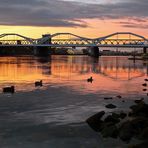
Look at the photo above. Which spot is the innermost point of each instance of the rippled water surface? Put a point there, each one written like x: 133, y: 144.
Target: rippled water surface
x: 54, y: 115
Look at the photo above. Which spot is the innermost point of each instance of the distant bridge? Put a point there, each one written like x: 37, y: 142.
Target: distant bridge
x: 122, y: 39
x: 119, y: 39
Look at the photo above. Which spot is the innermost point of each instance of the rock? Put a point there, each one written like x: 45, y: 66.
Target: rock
x: 110, y: 106
x: 95, y: 121
x: 141, y: 145
x: 110, y: 131
x: 126, y: 131
x: 141, y: 109
x: 119, y: 96
x: 144, y: 134
x: 105, y: 124
x: 108, y: 98
x: 112, y: 119
x: 144, y: 84
x: 130, y: 114
x: 123, y: 115
x: 139, y: 124
x: 116, y: 115
x: 133, y: 128
x: 139, y: 101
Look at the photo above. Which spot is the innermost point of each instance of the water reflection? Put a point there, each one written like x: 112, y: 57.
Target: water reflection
x: 108, y: 72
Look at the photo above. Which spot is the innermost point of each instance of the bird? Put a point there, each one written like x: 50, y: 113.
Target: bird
x: 10, y: 89
x: 90, y: 79
x: 144, y: 84
x: 38, y: 83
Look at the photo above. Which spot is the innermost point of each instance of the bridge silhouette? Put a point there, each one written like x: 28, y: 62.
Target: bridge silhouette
x: 119, y: 39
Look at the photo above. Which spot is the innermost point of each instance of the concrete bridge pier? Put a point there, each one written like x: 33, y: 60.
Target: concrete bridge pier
x: 35, y: 51
x: 94, y: 52
x: 144, y: 50
x: 40, y: 51
x: 43, y: 51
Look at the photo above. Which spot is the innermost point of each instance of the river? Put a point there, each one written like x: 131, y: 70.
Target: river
x: 53, y: 116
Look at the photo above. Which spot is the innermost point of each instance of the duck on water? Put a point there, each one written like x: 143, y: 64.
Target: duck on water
x: 90, y: 80
x: 38, y: 83
x: 10, y: 89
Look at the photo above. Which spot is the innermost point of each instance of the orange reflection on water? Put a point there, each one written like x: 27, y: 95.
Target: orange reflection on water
x: 17, y: 70
x: 109, y: 73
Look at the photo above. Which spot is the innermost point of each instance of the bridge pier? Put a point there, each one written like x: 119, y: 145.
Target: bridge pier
x: 94, y: 52
x: 43, y: 51
x: 144, y: 50
x: 35, y: 51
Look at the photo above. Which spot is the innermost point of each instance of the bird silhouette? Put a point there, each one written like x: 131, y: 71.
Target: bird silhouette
x: 10, y: 89
x: 38, y: 83
x: 90, y: 80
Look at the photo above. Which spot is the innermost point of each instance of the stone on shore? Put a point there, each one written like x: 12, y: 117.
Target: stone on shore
x: 139, y: 101
x: 108, y: 98
x: 112, y: 118
x: 123, y: 115
x: 134, y: 126
x: 144, y: 84
x: 144, y: 134
x: 110, y: 131
x: 141, y: 109
x: 119, y: 96
x: 141, y: 145
x: 126, y: 131
x: 110, y: 106
x: 95, y: 121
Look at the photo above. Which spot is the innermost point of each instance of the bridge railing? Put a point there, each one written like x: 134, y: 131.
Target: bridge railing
x: 120, y: 42
x: 15, y: 42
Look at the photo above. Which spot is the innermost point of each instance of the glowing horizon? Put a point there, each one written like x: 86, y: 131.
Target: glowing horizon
x: 37, y: 32
x: 85, y: 18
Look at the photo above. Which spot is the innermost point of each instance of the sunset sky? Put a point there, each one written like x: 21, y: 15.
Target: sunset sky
x: 90, y: 18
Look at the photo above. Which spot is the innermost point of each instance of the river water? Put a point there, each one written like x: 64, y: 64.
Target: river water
x: 53, y: 116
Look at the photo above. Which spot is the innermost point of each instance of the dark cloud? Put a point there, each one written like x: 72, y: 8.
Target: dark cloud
x: 143, y: 26
x: 67, y: 13
x: 133, y: 25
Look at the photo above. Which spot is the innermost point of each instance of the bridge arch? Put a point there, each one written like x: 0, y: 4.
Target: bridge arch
x: 53, y: 36
x: 121, y: 33
x: 31, y: 41
x: 119, y: 38
x: 57, y: 34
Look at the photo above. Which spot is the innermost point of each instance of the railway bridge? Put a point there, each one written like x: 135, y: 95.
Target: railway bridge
x: 42, y: 45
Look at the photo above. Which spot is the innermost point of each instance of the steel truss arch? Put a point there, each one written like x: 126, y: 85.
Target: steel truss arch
x: 14, y: 34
